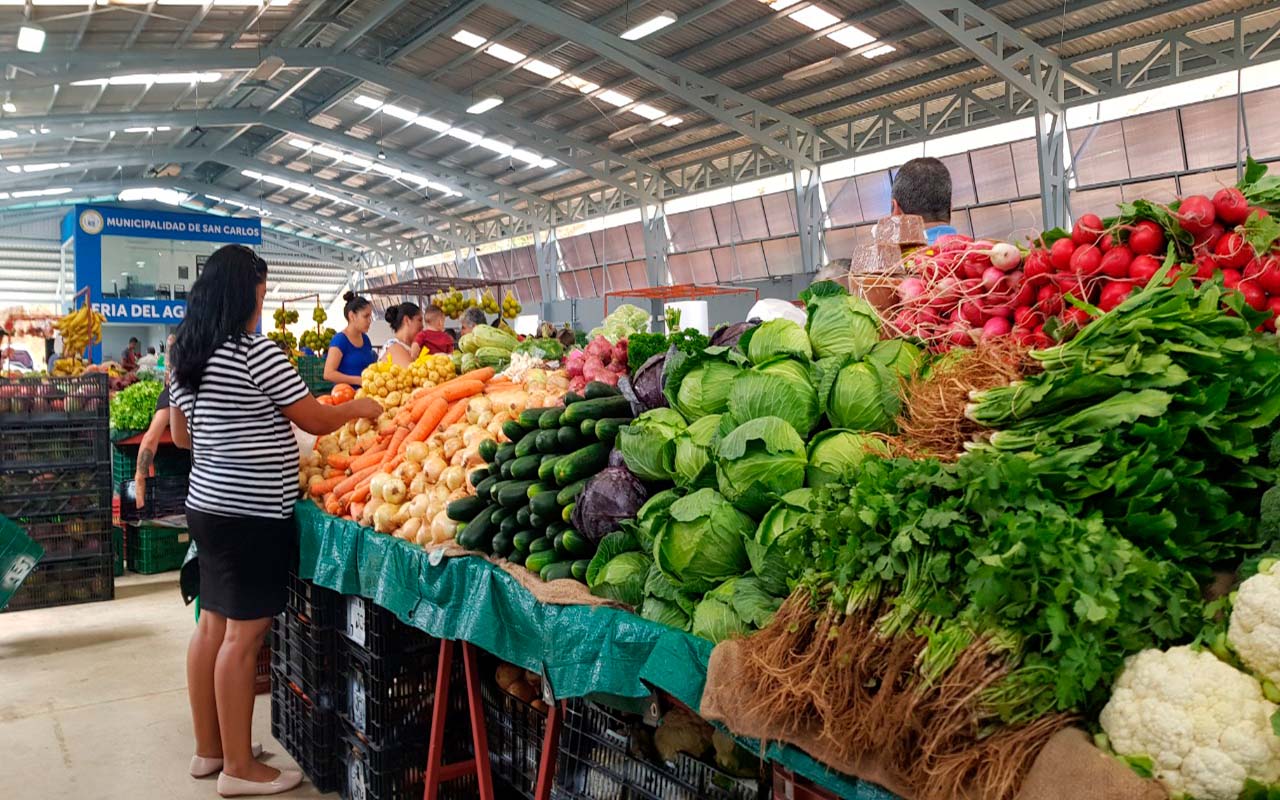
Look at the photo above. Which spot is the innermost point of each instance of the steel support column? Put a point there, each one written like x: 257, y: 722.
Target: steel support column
x: 809, y: 218
x: 546, y: 256
x: 1052, y: 157
x: 653, y: 224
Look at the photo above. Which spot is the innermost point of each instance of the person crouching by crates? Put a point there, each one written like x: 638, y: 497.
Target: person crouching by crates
x: 233, y: 396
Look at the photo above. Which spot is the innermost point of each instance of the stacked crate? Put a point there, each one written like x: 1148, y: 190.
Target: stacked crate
x: 155, y: 536
x: 311, y: 369
x: 304, y: 674
x: 55, y: 482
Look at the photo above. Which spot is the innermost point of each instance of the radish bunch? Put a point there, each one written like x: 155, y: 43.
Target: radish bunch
x: 598, y: 361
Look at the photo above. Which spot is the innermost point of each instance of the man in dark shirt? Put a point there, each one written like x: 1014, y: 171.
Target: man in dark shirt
x: 129, y: 359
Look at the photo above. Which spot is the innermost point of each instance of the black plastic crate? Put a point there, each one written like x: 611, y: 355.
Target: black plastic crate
x: 307, y: 656
x: 598, y: 758
x: 164, y: 496
x: 313, y: 605
x: 71, y: 535
x: 169, y: 461
x: 66, y: 582
x: 375, y: 629
x: 68, y: 444
x: 306, y: 731
x: 381, y: 773
x: 29, y: 493
x: 52, y: 400
x: 387, y: 699
x: 515, y: 731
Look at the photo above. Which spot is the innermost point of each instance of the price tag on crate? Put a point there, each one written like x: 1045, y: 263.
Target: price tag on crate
x: 358, y: 701
x: 355, y: 620
x: 548, y: 695
x: 355, y: 780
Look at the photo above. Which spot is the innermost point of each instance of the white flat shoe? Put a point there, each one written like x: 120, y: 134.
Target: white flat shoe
x: 238, y: 787
x: 202, y: 767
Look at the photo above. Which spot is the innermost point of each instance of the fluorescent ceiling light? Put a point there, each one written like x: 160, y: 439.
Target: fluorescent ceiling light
x: 504, y: 53
x: 501, y: 148
x: 574, y: 82
x: 30, y: 38
x: 364, y: 101
x: 432, y: 124
x: 40, y: 193
x: 615, y: 98
x: 149, y: 78
x: 778, y: 5
x: 651, y: 25
x: 671, y: 122
x: 527, y: 156
x: 160, y: 129
x: 29, y: 168
x: 851, y: 37
x: 814, y: 18
x: 812, y: 70
x: 403, y: 114
x: 468, y: 38
x: 172, y: 197
x: 882, y: 50
x: 465, y: 135
x: 9, y: 108
x: 481, y: 106
x: 544, y: 69
x: 301, y: 144
x: 8, y: 135
x: 547, y: 163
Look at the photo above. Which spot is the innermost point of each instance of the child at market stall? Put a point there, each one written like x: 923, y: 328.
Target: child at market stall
x: 433, y: 336
x: 233, y: 395
x: 351, y: 351
x: 406, y: 320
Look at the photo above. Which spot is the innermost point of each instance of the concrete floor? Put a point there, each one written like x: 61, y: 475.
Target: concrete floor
x: 93, y: 700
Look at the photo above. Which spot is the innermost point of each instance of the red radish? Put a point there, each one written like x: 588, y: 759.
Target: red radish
x: 996, y: 326
x: 1231, y: 278
x: 1232, y: 251
x: 974, y: 264
x: 1106, y: 243
x: 1049, y: 301
x: 1076, y: 316
x: 960, y: 336
x: 911, y: 289
x: 1269, y: 277
x: 1086, y: 260
x: 1206, y: 267
x: 1071, y: 284
x: 1026, y: 294
x: 1146, y: 238
x: 971, y: 312
x: 1026, y: 317
x: 1060, y: 254
x: 1253, y: 268
x: 1207, y: 240
x: 1230, y: 206
x: 1114, y: 293
x: 1115, y: 263
x: 1143, y: 268
x: 992, y: 276
x: 1261, y: 213
x: 999, y: 311
x: 1273, y: 305
x: 1195, y: 213
x: 1038, y: 263
x: 1039, y: 338
x: 1021, y: 335
x: 1005, y: 256
x: 952, y: 242
x: 1087, y: 230
x: 1253, y: 295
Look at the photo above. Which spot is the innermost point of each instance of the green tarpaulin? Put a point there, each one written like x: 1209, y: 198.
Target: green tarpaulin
x: 18, y: 556
x: 580, y: 650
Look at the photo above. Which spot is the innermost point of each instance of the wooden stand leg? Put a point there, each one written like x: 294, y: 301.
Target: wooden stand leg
x: 437, y: 771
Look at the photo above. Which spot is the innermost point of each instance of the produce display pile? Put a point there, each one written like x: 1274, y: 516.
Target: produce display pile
x: 1041, y: 490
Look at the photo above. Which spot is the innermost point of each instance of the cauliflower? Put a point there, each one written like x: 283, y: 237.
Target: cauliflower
x: 1205, y: 725
x: 1254, y: 630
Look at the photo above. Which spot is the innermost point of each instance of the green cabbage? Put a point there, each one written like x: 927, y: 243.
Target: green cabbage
x: 619, y: 569
x: 780, y: 388
x: 664, y: 612
x: 489, y: 336
x: 648, y: 443
x: 715, y: 617
x: 650, y: 515
x: 698, y: 385
x: 835, y: 455
x: 777, y: 530
x: 858, y: 395
x: 545, y: 349
x: 838, y: 323
x: 758, y: 462
x: 899, y: 355
x: 702, y: 541
x: 777, y: 337
x: 693, y: 467
x: 625, y: 320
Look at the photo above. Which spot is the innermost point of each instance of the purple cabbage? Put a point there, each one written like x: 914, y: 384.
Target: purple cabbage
x: 608, y: 498
x: 647, y: 383
x: 728, y: 335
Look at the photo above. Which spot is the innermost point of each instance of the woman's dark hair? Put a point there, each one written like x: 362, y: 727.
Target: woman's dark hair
x: 355, y: 304
x: 222, y: 301
x: 397, y: 314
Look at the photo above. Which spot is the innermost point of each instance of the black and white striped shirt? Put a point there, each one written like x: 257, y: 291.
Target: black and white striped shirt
x: 244, y: 457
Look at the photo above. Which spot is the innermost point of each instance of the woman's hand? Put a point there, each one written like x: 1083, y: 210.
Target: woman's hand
x: 363, y: 408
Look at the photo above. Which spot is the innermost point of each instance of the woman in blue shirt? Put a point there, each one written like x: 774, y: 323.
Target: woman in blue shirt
x: 351, y: 351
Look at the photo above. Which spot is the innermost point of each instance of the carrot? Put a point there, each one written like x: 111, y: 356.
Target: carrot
x: 421, y: 405
x: 362, y: 489
x: 348, y: 483
x: 339, y: 460
x: 456, y: 412
x: 456, y: 390
x: 325, y: 486
x: 331, y: 505
x: 397, y: 440
x: 428, y: 421
x: 481, y: 374
x: 372, y: 458
x: 404, y: 419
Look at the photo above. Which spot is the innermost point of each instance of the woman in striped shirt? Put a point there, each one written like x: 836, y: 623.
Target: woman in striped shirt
x: 233, y: 396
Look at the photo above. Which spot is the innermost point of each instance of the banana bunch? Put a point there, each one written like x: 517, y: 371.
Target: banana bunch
x: 489, y: 303
x: 511, y: 307
x: 79, y: 329
x: 69, y: 366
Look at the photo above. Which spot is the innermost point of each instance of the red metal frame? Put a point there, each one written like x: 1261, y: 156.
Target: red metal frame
x: 550, y: 751
x: 437, y: 771
x: 680, y: 291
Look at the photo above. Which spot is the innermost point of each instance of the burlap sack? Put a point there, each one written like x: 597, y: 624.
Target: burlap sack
x: 1068, y: 768
x: 562, y: 592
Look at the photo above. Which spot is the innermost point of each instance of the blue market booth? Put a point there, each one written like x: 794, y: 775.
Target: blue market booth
x: 140, y: 264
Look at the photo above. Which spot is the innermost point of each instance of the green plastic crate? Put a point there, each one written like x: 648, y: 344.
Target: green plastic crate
x: 117, y: 549
x: 311, y: 368
x: 18, y: 556
x: 170, y: 461
x: 156, y: 548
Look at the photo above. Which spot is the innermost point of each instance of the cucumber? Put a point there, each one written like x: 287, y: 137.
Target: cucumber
x: 600, y: 408
x: 510, y: 525
x: 539, y: 488
x: 536, y: 561
x: 501, y: 544
x: 529, y: 417
x: 569, y: 439
x: 465, y: 509
x: 545, y: 473
x: 483, y: 487
x: 522, y: 518
x: 598, y: 389
x: 545, y: 504
x: 537, y: 522
x: 516, y: 557
x: 525, y: 468
x: 575, y: 544
x: 572, y: 397
x: 540, y: 544
x: 555, y: 527
x: 557, y: 541
x: 504, y: 471
x: 607, y: 429
x: 522, y: 539
x: 487, y: 449
x: 582, y: 463
x: 526, y: 446
x: 570, y: 493
x: 512, y: 494
x: 556, y: 571
x: 579, y: 569
x: 478, y: 532
x: 513, y: 430
x: 478, y: 475
x: 588, y: 427
x: 566, y: 514
x: 547, y: 442
x: 550, y: 419
x: 504, y: 453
